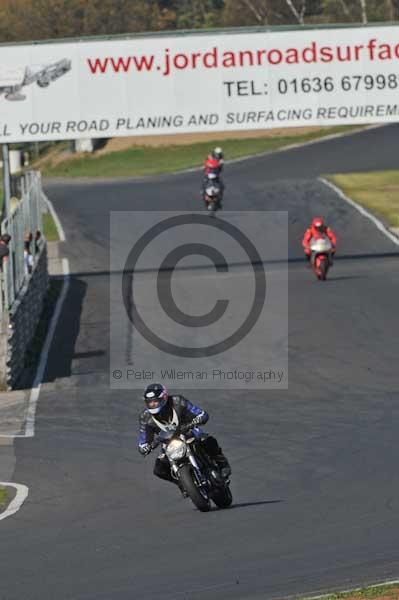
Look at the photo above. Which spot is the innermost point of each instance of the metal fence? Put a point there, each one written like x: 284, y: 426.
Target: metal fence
x: 24, y: 222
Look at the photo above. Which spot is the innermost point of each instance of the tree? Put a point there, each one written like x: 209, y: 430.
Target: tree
x: 359, y: 11
x: 269, y: 12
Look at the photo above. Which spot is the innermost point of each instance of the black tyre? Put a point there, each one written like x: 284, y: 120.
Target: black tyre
x: 323, y: 270
x: 212, y: 208
x: 200, y: 500
x: 223, y: 497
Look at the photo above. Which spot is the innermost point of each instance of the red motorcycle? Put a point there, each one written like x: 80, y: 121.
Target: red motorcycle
x: 321, y: 256
x: 212, y: 194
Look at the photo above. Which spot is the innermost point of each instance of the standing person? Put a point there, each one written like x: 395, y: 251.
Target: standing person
x: 38, y: 236
x: 4, y: 249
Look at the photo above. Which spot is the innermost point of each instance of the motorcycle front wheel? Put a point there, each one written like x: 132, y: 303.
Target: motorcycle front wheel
x: 223, y: 497
x: 323, y: 269
x: 187, y: 478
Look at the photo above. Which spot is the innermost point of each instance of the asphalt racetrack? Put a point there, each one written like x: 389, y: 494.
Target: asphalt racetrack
x: 315, y: 467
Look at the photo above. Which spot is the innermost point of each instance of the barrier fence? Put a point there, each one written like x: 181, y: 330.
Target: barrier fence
x: 24, y: 222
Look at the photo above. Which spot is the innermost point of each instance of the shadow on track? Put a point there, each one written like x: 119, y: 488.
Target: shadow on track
x: 213, y: 266
x: 246, y: 505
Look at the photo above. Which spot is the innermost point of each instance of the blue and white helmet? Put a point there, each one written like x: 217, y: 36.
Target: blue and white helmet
x: 155, y: 397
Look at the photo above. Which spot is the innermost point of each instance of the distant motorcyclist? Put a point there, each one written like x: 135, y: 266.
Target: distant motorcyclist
x: 214, y: 162
x: 161, y: 409
x: 317, y: 230
x: 213, y: 167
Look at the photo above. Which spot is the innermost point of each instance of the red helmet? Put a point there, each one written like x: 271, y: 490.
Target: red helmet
x: 318, y: 224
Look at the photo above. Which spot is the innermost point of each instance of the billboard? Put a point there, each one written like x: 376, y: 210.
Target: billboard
x: 199, y: 82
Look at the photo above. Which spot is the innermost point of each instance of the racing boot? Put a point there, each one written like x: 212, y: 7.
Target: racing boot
x: 223, y: 465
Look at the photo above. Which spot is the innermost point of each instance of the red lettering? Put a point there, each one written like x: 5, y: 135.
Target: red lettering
x: 278, y: 59
x: 97, y: 65
x: 326, y: 54
x: 121, y: 64
x: 309, y: 54
x: 143, y: 62
x: 344, y: 57
x: 180, y: 61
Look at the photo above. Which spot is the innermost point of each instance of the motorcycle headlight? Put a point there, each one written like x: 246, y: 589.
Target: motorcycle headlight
x: 176, y: 449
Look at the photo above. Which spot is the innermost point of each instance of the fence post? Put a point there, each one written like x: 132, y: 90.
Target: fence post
x: 6, y: 181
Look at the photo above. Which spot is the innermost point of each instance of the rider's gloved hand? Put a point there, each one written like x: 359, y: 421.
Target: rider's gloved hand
x: 145, y: 449
x: 187, y: 426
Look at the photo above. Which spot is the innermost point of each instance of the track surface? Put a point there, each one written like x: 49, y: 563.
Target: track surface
x: 315, y: 480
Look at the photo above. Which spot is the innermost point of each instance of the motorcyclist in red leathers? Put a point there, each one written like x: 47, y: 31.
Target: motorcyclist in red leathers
x: 214, y: 162
x: 318, y: 229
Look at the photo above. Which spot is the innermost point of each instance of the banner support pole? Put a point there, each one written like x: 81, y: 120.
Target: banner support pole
x: 6, y: 181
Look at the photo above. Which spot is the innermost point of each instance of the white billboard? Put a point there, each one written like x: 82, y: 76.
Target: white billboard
x: 199, y: 82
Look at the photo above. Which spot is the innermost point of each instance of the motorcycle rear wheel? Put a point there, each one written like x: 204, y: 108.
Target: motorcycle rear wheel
x: 187, y: 479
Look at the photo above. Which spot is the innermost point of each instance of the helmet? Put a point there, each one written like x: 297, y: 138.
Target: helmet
x: 217, y: 153
x: 318, y: 224
x: 155, y: 397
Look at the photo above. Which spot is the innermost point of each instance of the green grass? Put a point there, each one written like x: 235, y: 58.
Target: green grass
x: 144, y: 160
x: 378, y: 192
x: 382, y: 591
x: 50, y: 230
x: 3, y: 497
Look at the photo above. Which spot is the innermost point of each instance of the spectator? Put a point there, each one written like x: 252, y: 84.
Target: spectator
x: 28, y: 258
x: 4, y: 250
x: 38, y: 236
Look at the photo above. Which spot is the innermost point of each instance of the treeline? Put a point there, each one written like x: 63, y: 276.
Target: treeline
x: 45, y: 19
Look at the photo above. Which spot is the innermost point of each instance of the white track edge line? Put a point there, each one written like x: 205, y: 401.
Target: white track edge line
x: 373, y: 585
x: 17, y: 502
x: 379, y: 224
x: 37, y: 383
x: 35, y: 391
x: 326, y: 138
x: 60, y: 229
x: 156, y: 177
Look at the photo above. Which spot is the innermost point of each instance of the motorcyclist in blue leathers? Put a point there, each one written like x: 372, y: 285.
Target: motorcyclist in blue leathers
x: 161, y: 408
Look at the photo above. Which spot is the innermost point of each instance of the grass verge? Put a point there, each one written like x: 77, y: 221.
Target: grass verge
x: 378, y: 192
x: 145, y: 160
x: 50, y: 229
x: 381, y: 592
x: 3, y: 498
